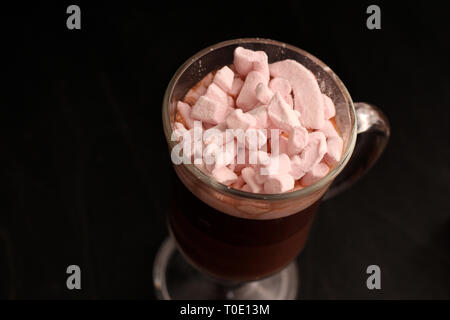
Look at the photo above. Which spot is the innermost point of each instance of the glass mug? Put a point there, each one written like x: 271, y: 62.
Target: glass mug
x: 231, y: 244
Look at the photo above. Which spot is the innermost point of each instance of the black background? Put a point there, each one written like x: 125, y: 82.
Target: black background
x: 85, y: 174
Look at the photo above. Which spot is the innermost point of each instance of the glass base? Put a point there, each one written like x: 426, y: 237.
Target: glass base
x: 174, y: 278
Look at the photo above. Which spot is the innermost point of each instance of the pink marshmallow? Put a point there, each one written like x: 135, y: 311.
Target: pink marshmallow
x: 246, y: 188
x: 209, y: 155
x: 218, y: 156
x: 263, y: 93
x: 281, y: 86
x: 328, y: 129
x: 289, y: 100
x: 185, y: 111
x: 248, y: 174
x: 281, y: 115
x: 247, y: 97
x: 208, y: 110
x: 216, y: 93
x: 178, y: 125
x: 260, y: 179
x: 256, y: 158
x: 236, y: 87
x: 277, y: 165
x: 319, y: 171
x: 260, y: 113
x: 279, y: 183
x: 223, y: 159
x: 296, y: 167
x: 248, y: 158
x: 308, y: 98
x: 178, y: 131
x: 261, y: 63
x: 255, y: 139
x: 214, y: 136
x: 263, y: 160
x: 246, y: 60
x: 239, y: 120
x: 192, y: 144
x: 329, y: 109
x: 241, y: 158
x: 243, y: 60
x: 229, y: 110
x: 298, y: 139
x: 334, y: 150
x: 224, y: 78
x: 224, y: 175
x: 314, y: 151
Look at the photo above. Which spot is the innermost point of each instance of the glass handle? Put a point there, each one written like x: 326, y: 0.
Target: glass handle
x: 373, y: 135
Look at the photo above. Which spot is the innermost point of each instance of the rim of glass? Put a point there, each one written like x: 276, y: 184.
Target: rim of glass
x: 197, y: 173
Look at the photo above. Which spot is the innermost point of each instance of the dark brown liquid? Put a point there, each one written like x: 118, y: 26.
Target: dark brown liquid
x: 234, y: 248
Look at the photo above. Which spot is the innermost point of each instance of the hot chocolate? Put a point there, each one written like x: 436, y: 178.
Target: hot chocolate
x: 251, y: 94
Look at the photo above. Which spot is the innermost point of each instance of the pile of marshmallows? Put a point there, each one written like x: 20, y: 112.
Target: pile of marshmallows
x: 257, y: 95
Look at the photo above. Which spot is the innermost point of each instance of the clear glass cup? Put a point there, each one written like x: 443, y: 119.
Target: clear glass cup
x: 230, y: 244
